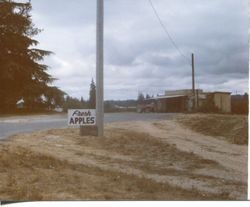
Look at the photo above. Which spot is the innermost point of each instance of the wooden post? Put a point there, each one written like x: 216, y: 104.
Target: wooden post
x: 193, y: 83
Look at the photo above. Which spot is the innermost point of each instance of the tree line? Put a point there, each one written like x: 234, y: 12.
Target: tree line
x: 23, y: 76
x: 22, y: 73
x: 74, y: 103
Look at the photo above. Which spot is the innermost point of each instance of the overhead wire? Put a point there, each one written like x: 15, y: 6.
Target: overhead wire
x: 166, y: 31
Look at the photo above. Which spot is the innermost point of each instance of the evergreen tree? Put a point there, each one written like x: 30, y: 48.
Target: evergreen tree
x: 92, y: 95
x: 72, y: 103
x: 82, y: 100
x: 21, y: 73
x: 140, y: 98
x: 83, y: 103
x: 54, y: 97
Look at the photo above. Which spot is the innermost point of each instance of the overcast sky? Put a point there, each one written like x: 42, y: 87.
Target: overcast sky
x: 138, y: 54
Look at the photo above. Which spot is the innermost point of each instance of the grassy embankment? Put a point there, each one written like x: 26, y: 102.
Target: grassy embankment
x: 233, y: 128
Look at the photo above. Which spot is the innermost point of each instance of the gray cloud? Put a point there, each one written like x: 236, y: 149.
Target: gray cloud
x: 138, y: 56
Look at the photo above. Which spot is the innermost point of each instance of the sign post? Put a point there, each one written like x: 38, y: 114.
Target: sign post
x: 81, y: 117
x: 85, y: 118
x: 99, y: 68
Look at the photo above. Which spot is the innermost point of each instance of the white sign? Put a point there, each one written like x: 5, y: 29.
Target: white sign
x: 81, y: 117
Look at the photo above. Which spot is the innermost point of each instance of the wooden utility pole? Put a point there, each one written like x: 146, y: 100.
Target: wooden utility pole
x: 193, y: 83
x: 99, y: 68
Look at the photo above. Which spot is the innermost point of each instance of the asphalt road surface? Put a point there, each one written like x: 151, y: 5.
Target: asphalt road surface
x: 20, y: 124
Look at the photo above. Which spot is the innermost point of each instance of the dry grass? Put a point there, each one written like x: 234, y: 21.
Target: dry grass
x: 26, y: 175
x: 35, y: 167
x: 147, y: 151
x: 233, y: 128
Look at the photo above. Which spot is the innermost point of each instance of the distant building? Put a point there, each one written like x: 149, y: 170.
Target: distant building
x: 222, y: 100
x: 184, y: 100
x: 58, y: 109
x: 20, y: 104
x: 174, y: 103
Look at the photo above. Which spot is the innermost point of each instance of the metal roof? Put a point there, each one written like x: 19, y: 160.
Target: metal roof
x: 166, y: 97
x: 222, y: 92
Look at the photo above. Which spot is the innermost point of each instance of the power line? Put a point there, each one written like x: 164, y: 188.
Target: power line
x: 166, y: 31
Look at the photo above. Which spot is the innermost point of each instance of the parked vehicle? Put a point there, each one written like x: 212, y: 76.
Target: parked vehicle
x: 146, y: 108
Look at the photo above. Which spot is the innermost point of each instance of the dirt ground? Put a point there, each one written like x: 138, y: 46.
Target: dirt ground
x: 153, y: 160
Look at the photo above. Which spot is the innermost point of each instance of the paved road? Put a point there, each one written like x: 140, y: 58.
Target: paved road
x: 20, y: 124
